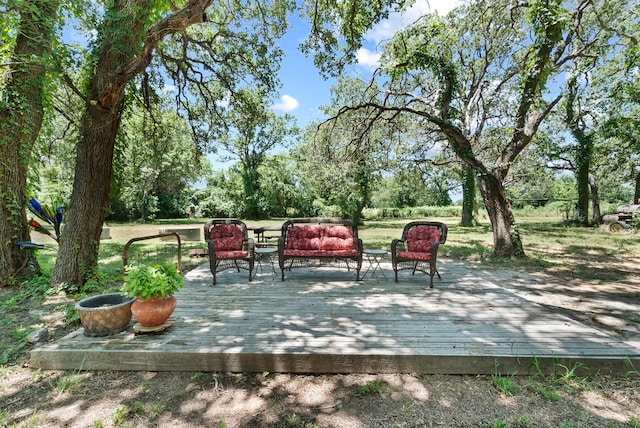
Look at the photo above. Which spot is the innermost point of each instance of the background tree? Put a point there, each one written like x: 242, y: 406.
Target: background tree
x: 280, y: 186
x: 155, y: 165
x: 618, y: 80
x: 576, y: 119
x: 418, y: 149
x: 25, y: 66
x: 252, y: 130
x: 222, y: 195
x: 344, y: 157
x: 406, y: 188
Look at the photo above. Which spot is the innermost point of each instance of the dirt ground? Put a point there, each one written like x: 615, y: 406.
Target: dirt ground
x: 32, y: 398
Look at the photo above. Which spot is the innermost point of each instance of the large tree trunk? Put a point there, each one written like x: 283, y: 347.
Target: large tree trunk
x: 20, y: 123
x: 79, y: 243
x: 583, y: 164
x: 251, y: 186
x: 468, y: 197
x: 124, y: 50
x: 506, y: 238
x: 584, y: 151
x: 595, y: 200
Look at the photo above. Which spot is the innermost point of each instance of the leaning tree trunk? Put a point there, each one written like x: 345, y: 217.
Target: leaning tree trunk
x: 80, y: 240
x: 20, y: 123
x: 506, y: 238
x: 124, y: 50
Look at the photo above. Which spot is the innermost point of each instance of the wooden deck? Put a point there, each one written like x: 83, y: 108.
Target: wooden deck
x: 323, y: 321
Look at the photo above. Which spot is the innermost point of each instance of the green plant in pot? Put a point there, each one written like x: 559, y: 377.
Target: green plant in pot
x: 153, y: 286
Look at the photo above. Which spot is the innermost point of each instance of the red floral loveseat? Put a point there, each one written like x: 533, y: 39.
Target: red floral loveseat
x: 321, y: 239
x: 418, y: 248
x: 229, y: 246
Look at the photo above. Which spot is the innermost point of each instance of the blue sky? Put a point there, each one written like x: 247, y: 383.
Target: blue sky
x: 304, y: 90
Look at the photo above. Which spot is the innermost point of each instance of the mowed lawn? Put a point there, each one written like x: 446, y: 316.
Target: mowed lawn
x: 550, y: 244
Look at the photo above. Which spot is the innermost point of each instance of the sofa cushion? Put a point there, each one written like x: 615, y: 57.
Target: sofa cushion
x: 304, y: 244
x: 420, y: 238
x: 231, y: 254
x: 342, y: 232
x: 226, y: 237
x: 335, y: 243
x: 306, y: 231
x: 305, y: 237
x: 426, y: 256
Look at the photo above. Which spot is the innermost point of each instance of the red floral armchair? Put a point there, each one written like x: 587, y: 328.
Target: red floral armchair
x: 229, y: 246
x: 418, y: 248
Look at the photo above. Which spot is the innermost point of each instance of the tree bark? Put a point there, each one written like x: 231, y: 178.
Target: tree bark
x: 506, y: 238
x: 80, y: 240
x: 584, y: 154
x: 468, y: 197
x: 595, y: 200
x: 20, y: 123
x: 584, y: 151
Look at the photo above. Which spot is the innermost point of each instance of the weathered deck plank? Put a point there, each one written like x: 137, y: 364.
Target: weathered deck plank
x: 323, y: 321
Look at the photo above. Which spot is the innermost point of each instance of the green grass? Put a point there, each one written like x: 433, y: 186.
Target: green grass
x: 68, y: 382
x: 374, y: 387
x: 505, y: 384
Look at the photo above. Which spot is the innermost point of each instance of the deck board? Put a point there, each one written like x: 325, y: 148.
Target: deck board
x: 322, y: 321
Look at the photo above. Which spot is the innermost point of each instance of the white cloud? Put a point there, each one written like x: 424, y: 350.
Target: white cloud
x: 366, y: 58
x: 386, y: 29
x: 287, y: 103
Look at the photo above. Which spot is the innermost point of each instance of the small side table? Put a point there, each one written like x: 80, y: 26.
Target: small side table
x: 266, y: 254
x: 374, y: 257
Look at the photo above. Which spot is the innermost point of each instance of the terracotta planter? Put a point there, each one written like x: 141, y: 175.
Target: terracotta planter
x: 153, y: 312
x: 105, y: 314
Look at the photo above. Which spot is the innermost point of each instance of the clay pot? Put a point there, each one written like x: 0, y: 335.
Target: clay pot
x: 153, y: 312
x: 105, y: 314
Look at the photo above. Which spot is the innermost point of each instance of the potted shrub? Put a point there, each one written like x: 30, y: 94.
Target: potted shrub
x: 153, y: 286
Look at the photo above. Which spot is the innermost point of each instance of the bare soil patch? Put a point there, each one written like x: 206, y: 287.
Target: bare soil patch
x: 33, y: 398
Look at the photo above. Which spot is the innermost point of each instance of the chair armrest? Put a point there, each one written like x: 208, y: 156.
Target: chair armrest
x: 394, y: 246
x: 434, y: 249
x: 250, y: 245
